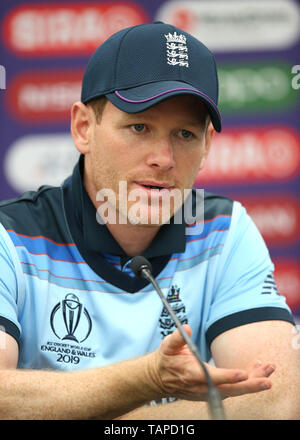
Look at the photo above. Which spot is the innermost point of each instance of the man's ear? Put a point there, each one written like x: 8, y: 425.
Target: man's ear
x: 209, y: 134
x: 81, y: 126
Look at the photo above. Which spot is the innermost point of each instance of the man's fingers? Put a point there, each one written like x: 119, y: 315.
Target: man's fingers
x: 175, y: 341
x: 260, y: 369
x: 230, y: 382
x: 257, y: 381
x: 246, y: 387
x: 226, y: 376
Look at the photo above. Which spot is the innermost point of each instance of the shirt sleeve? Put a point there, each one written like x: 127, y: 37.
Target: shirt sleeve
x: 245, y: 289
x: 10, y: 290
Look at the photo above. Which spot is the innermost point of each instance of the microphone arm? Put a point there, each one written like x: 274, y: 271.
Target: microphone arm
x: 213, y: 395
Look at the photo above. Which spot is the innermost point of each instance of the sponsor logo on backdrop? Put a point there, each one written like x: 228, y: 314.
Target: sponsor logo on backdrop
x: 252, y: 155
x: 287, y: 276
x: 40, y: 159
x: 258, y: 25
x: 277, y: 216
x: 44, y: 96
x: 247, y: 87
x: 67, y: 29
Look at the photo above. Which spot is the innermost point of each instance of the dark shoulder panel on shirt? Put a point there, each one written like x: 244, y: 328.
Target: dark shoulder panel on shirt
x: 36, y: 213
x: 215, y: 205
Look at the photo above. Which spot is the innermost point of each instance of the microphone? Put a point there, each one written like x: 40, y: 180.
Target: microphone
x: 142, y: 268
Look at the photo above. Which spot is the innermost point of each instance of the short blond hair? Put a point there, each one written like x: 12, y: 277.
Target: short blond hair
x: 98, y: 105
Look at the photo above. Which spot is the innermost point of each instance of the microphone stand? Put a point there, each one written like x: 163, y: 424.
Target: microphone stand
x: 213, y: 396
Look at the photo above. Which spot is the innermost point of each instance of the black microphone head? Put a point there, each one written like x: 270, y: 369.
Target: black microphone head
x: 138, y: 263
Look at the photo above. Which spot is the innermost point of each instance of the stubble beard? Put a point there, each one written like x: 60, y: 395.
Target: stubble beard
x: 122, y: 205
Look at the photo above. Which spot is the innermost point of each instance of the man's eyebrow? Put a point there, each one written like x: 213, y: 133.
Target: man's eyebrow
x: 135, y: 116
x: 194, y: 123
x: 131, y: 117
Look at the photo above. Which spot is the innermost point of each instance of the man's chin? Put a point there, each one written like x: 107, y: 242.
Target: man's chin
x: 137, y: 214
x: 148, y: 219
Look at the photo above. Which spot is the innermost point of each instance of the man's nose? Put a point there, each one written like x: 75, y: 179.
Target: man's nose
x: 162, y: 154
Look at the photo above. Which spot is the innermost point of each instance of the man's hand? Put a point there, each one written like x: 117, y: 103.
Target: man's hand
x: 178, y: 373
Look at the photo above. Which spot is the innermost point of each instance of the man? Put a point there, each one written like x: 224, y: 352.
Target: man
x: 69, y: 300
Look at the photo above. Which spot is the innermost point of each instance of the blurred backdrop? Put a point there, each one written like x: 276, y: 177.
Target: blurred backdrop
x: 44, y: 50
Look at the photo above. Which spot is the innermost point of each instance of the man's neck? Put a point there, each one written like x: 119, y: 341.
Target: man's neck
x: 133, y: 239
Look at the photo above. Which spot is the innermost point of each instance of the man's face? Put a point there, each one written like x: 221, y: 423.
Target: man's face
x: 154, y: 154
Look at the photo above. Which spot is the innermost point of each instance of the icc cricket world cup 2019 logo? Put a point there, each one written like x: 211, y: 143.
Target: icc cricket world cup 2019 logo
x: 70, y: 320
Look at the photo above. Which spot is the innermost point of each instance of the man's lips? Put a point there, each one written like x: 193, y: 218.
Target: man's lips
x: 152, y: 185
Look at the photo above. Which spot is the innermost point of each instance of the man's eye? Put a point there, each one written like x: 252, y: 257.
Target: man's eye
x: 185, y: 134
x: 138, y: 128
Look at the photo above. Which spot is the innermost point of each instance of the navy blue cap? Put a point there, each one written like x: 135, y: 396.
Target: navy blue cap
x: 140, y: 66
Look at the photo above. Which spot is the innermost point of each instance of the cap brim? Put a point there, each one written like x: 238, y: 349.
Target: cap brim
x: 138, y: 99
